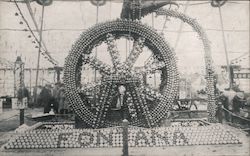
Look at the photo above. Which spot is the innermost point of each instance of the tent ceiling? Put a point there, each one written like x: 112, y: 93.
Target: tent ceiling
x: 64, y: 21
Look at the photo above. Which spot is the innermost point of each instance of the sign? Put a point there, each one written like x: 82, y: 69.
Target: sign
x: 16, y: 104
x: 113, y: 138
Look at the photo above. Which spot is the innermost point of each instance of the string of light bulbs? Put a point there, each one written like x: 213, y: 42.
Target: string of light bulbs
x: 43, y: 51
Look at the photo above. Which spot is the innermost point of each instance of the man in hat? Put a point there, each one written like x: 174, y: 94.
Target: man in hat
x: 238, y: 103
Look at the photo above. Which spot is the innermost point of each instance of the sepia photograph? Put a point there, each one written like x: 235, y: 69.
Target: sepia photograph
x: 124, y: 78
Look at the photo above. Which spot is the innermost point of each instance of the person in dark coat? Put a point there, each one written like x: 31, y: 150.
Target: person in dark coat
x: 46, y: 96
x: 36, y: 93
x: 63, y: 104
x: 23, y: 93
x: 55, y: 97
x: 225, y: 103
x: 238, y: 103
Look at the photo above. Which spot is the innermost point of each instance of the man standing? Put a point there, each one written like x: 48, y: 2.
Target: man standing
x: 120, y: 100
x: 238, y: 103
x: 45, y: 98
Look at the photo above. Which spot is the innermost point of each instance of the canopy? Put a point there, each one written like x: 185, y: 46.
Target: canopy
x: 64, y: 21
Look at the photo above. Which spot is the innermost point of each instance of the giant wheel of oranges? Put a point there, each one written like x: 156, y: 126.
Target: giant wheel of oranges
x: 139, y: 111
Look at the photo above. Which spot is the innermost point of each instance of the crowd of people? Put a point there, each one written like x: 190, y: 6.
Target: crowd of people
x: 235, y: 105
x: 52, y: 98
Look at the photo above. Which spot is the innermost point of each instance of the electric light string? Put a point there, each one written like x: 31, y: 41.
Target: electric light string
x: 34, y: 21
x: 51, y: 60
x: 240, y: 58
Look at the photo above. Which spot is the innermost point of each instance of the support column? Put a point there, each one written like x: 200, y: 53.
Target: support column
x: 125, y: 137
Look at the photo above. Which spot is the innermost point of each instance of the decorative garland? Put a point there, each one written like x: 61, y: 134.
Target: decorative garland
x: 131, y: 107
x: 102, y: 105
x: 112, y: 48
x: 91, y: 87
x: 207, y: 55
x: 137, y: 49
x: 101, y: 32
x: 144, y: 107
x: 18, y: 76
x: 98, y: 65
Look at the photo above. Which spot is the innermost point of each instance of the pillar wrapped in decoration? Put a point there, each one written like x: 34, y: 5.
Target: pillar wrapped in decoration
x: 18, y: 75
